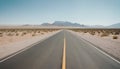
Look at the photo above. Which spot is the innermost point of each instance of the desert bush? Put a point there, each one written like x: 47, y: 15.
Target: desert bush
x: 92, y: 33
x: 17, y: 34
x: 85, y: 31
x: 116, y: 33
x: 10, y: 34
x: 24, y: 33
x: 38, y: 31
x: 98, y: 32
x: 30, y: 31
x: 45, y: 30
x: 33, y: 34
x: 115, y: 37
x: 51, y: 30
x: 42, y: 33
x: 104, y: 34
x: 111, y: 33
x: 1, y: 34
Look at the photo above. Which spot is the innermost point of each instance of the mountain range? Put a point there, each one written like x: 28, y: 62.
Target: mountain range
x: 70, y: 24
x: 64, y: 23
x: 117, y: 25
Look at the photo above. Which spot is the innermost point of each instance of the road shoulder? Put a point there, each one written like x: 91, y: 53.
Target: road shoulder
x: 98, y: 47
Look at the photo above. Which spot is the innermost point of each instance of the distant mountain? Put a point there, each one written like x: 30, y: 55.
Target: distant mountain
x: 46, y: 24
x: 97, y: 26
x: 117, y: 25
x: 63, y: 23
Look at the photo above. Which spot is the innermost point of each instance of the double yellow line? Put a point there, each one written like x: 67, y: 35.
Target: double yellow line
x: 64, y: 55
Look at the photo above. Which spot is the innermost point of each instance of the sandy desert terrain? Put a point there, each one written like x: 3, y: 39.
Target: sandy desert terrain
x: 12, y: 40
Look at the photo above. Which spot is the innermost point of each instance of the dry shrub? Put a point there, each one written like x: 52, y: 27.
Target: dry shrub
x: 24, y: 33
x: 111, y: 33
x: 46, y: 31
x: 51, y: 30
x: 42, y: 33
x: 10, y: 34
x: 38, y: 31
x: 17, y: 34
x: 98, y: 32
x: 115, y: 37
x: 92, y: 33
x: 1, y: 34
x: 85, y: 31
x: 34, y: 31
x: 33, y: 34
x: 116, y: 33
x: 104, y: 34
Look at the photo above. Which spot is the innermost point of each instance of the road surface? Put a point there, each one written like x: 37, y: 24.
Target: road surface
x: 61, y: 51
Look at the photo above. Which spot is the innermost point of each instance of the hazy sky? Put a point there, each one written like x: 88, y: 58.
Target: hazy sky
x: 88, y: 12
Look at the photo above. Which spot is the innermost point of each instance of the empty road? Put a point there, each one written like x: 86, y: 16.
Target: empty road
x: 61, y: 51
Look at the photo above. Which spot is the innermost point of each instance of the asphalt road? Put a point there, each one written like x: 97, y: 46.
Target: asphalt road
x: 48, y: 54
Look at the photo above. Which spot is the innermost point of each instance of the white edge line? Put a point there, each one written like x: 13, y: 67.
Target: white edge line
x: 106, y: 54
x: 20, y: 51
x: 14, y: 54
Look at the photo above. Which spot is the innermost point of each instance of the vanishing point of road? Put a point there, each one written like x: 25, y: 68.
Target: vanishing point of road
x: 61, y: 51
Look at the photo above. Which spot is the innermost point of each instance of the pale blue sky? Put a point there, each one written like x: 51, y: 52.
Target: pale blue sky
x: 88, y: 12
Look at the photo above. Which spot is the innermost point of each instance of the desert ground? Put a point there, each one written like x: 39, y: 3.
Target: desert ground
x: 15, y: 39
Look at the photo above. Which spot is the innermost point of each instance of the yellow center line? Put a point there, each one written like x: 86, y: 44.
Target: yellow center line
x: 64, y: 55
